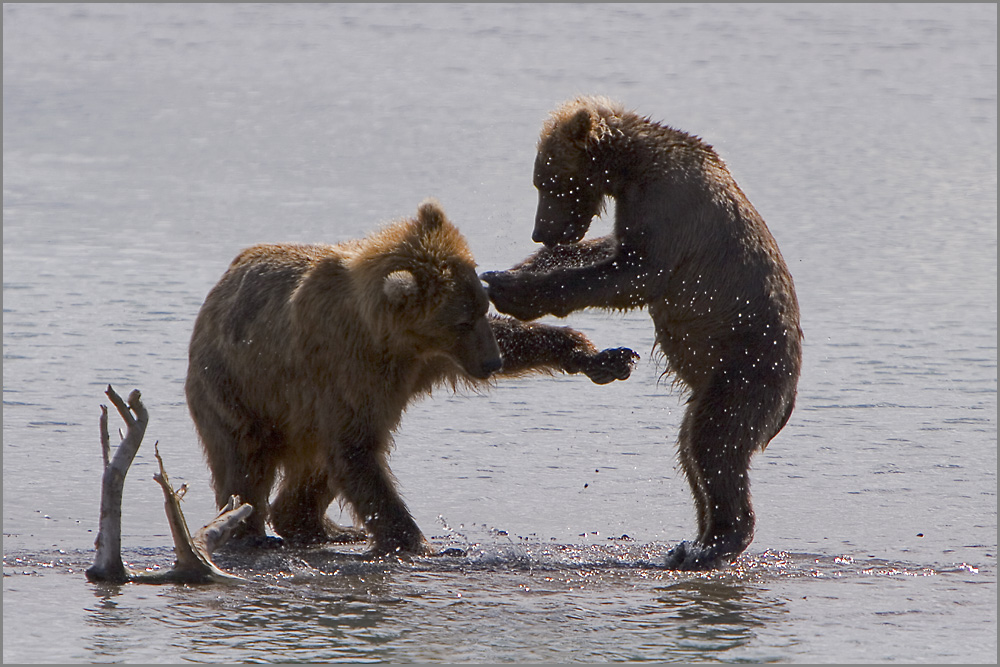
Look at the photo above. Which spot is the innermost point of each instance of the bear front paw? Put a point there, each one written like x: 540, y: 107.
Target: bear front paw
x: 401, y: 545
x: 610, y: 365
x: 512, y: 294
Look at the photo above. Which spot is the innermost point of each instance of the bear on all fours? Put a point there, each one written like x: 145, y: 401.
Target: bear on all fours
x: 304, y: 358
x: 689, y: 246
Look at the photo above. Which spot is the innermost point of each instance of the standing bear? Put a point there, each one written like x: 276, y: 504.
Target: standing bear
x: 688, y: 245
x: 304, y: 357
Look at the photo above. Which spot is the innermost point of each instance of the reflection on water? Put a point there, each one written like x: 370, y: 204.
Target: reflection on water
x: 542, y: 602
x: 110, y: 622
x: 714, y: 616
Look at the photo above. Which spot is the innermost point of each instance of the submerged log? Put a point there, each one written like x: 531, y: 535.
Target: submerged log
x: 194, y: 554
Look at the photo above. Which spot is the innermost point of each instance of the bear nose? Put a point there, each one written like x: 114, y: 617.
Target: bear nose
x: 491, y: 366
x: 544, y: 237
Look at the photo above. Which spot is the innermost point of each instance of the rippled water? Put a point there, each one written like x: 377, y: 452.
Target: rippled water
x: 145, y: 145
x: 524, y: 602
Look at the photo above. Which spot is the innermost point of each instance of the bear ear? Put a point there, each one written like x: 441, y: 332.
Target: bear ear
x: 430, y: 215
x: 399, y: 287
x: 579, y: 126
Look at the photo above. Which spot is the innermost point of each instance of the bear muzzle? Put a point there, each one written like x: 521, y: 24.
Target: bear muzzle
x: 552, y: 230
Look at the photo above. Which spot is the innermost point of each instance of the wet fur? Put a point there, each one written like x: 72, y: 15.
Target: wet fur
x: 691, y: 248
x: 304, y: 357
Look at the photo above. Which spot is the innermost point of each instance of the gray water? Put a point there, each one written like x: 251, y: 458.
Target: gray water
x: 144, y: 145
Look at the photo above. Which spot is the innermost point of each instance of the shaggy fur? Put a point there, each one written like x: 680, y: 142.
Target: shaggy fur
x: 688, y: 245
x: 304, y: 357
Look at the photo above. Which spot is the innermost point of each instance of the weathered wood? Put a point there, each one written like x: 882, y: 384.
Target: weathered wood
x: 194, y: 561
x: 108, y: 564
x: 219, y: 530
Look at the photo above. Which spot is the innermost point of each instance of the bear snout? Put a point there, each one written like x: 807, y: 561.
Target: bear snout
x: 483, y: 369
x: 491, y: 366
x: 551, y: 234
x: 547, y: 233
x: 477, y: 352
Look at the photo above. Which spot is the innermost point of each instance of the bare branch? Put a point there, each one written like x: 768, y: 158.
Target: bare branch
x: 108, y: 565
x: 194, y: 563
x: 119, y: 404
x: 220, y: 529
x: 105, y: 438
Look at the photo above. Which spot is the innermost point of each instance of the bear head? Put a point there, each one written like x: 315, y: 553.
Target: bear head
x: 425, y: 297
x: 569, y: 174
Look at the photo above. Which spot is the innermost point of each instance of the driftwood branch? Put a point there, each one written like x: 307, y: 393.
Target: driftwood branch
x: 194, y: 562
x: 108, y: 565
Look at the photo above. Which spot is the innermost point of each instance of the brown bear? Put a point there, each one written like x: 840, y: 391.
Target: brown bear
x: 304, y: 357
x: 688, y: 245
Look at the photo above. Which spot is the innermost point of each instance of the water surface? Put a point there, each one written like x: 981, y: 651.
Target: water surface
x: 144, y: 145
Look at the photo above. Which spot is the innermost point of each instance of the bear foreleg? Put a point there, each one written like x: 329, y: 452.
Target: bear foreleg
x: 527, y: 347
x: 362, y: 474
x: 570, y: 255
x: 566, y: 278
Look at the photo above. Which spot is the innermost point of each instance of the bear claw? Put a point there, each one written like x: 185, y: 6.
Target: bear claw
x: 611, y: 364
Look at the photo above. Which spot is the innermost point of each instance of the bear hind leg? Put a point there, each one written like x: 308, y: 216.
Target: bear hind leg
x: 719, y: 435
x: 298, y: 512
x: 240, y: 466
